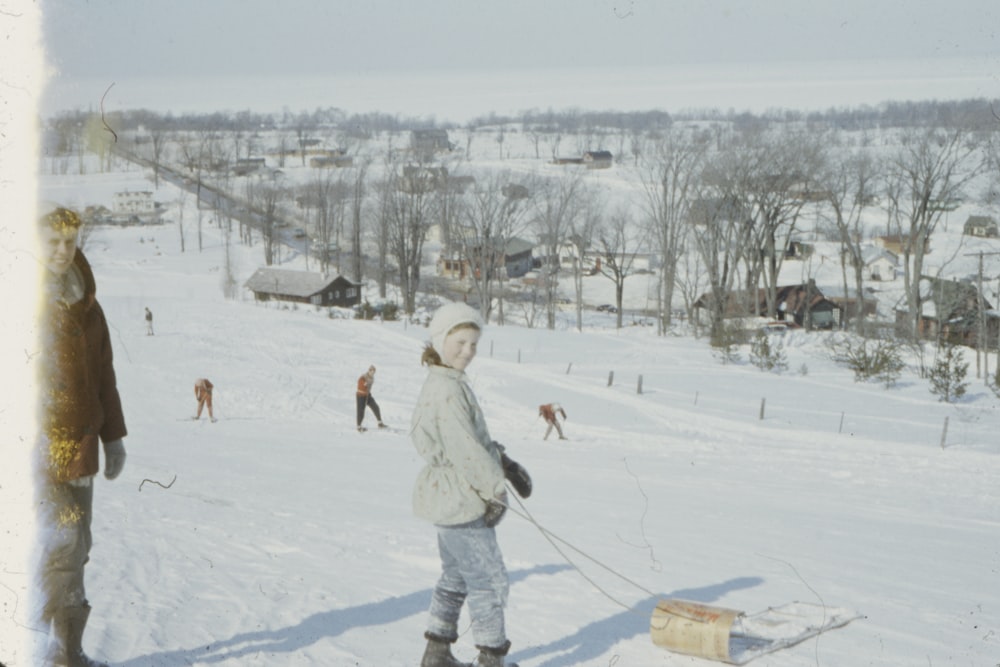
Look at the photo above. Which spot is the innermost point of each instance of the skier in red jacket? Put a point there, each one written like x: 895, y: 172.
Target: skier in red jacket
x: 548, y: 412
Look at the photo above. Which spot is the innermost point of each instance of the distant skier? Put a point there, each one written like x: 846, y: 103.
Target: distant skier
x: 203, y: 392
x: 549, y: 413
x: 365, y: 399
x: 149, y: 322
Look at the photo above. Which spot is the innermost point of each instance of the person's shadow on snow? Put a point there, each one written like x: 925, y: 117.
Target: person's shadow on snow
x: 594, y: 639
x: 318, y: 626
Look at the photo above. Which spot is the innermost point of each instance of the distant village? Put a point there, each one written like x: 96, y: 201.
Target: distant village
x: 504, y: 212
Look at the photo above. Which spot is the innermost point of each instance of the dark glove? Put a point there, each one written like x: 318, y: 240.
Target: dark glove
x: 494, y: 512
x: 114, y: 458
x: 516, y: 475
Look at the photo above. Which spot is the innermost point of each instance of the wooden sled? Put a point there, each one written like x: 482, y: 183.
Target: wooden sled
x: 731, y: 636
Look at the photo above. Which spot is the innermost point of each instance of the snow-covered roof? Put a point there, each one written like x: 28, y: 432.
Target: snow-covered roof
x: 292, y: 283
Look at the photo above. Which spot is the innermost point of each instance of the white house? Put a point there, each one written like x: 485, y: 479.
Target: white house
x: 880, y: 264
x: 133, y: 203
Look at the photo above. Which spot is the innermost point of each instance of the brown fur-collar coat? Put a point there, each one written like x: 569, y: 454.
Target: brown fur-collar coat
x: 80, y: 398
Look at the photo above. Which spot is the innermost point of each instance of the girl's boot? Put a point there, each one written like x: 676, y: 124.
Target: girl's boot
x: 438, y: 653
x: 490, y: 656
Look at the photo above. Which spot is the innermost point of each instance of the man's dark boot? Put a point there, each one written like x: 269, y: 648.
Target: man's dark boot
x: 68, y: 624
x: 493, y: 656
x: 438, y: 653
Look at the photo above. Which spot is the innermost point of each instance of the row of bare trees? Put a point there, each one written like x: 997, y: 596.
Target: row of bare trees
x: 738, y: 205
x: 717, y: 208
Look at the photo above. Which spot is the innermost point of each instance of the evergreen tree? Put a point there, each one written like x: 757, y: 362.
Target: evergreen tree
x: 948, y: 374
x: 765, y: 356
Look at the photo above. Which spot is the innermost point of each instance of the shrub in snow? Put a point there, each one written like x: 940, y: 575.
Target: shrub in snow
x: 870, y: 359
x: 725, y: 340
x: 766, y: 354
x: 947, y: 376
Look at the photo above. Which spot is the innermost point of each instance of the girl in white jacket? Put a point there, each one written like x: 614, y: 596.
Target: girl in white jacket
x: 461, y: 491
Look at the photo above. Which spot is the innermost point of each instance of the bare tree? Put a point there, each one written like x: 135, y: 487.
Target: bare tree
x: 773, y: 174
x: 492, y: 219
x: 357, y: 204
x: 158, y: 137
x: 850, y: 186
x: 620, y: 240
x: 559, y: 201
x: 266, y: 197
x: 722, y: 232
x: 925, y: 175
x: 582, y: 230
x: 669, y: 181
x: 327, y: 196
x: 407, y: 201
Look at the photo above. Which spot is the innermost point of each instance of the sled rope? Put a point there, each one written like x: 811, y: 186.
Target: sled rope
x: 552, y: 538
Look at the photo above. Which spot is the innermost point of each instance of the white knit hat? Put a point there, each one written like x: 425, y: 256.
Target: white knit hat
x: 447, y: 318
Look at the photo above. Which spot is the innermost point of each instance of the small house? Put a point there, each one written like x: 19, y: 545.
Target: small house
x: 949, y: 311
x: 310, y: 287
x: 515, y: 191
x: 331, y: 161
x: 430, y: 141
x: 598, y: 159
x: 898, y: 242
x: 803, y: 304
x: 245, y: 166
x: 880, y: 264
x: 981, y: 225
x: 134, y: 207
x: 418, y: 179
x: 515, y: 259
x: 128, y: 202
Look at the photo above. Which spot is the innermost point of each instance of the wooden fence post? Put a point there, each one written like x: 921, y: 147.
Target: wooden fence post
x: 638, y: 389
x: 569, y: 367
x: 944, y: 432
x: 762, y: 402
x: 611, y: 378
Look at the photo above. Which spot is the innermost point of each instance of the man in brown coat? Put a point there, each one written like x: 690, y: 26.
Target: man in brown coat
x: 80, y: 409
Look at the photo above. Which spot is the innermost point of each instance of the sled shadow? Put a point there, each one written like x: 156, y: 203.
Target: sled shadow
x: 593, y: 640
x: 318, y: 626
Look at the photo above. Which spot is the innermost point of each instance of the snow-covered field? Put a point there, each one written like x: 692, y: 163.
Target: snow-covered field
x: 281, y: 536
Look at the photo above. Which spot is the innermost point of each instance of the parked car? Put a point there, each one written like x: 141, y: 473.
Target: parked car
x: 299, y: 233
x: 320, y: 249
x: 606, y: 308
x: 777, y: 327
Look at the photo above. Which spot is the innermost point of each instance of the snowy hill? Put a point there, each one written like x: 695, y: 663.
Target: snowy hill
x: 281, y: 536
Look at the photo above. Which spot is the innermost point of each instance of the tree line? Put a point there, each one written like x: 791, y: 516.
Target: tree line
x: 717, y: 202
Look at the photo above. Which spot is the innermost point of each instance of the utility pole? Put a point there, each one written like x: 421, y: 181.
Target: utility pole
x: 982, y: 335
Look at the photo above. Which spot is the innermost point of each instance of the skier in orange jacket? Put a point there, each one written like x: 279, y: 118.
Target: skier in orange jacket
x: 365, y: 399
x: 548, y: 412
x: 203, y: 392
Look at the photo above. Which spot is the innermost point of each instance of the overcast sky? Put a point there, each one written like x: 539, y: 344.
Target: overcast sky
x: 116, y: 38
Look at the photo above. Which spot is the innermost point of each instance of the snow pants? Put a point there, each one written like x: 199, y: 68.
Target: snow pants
x: 472, y: 571
x: 205, y: 400
x: 367, y: 401
x: 553, y: 424
x: 66, y: 543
